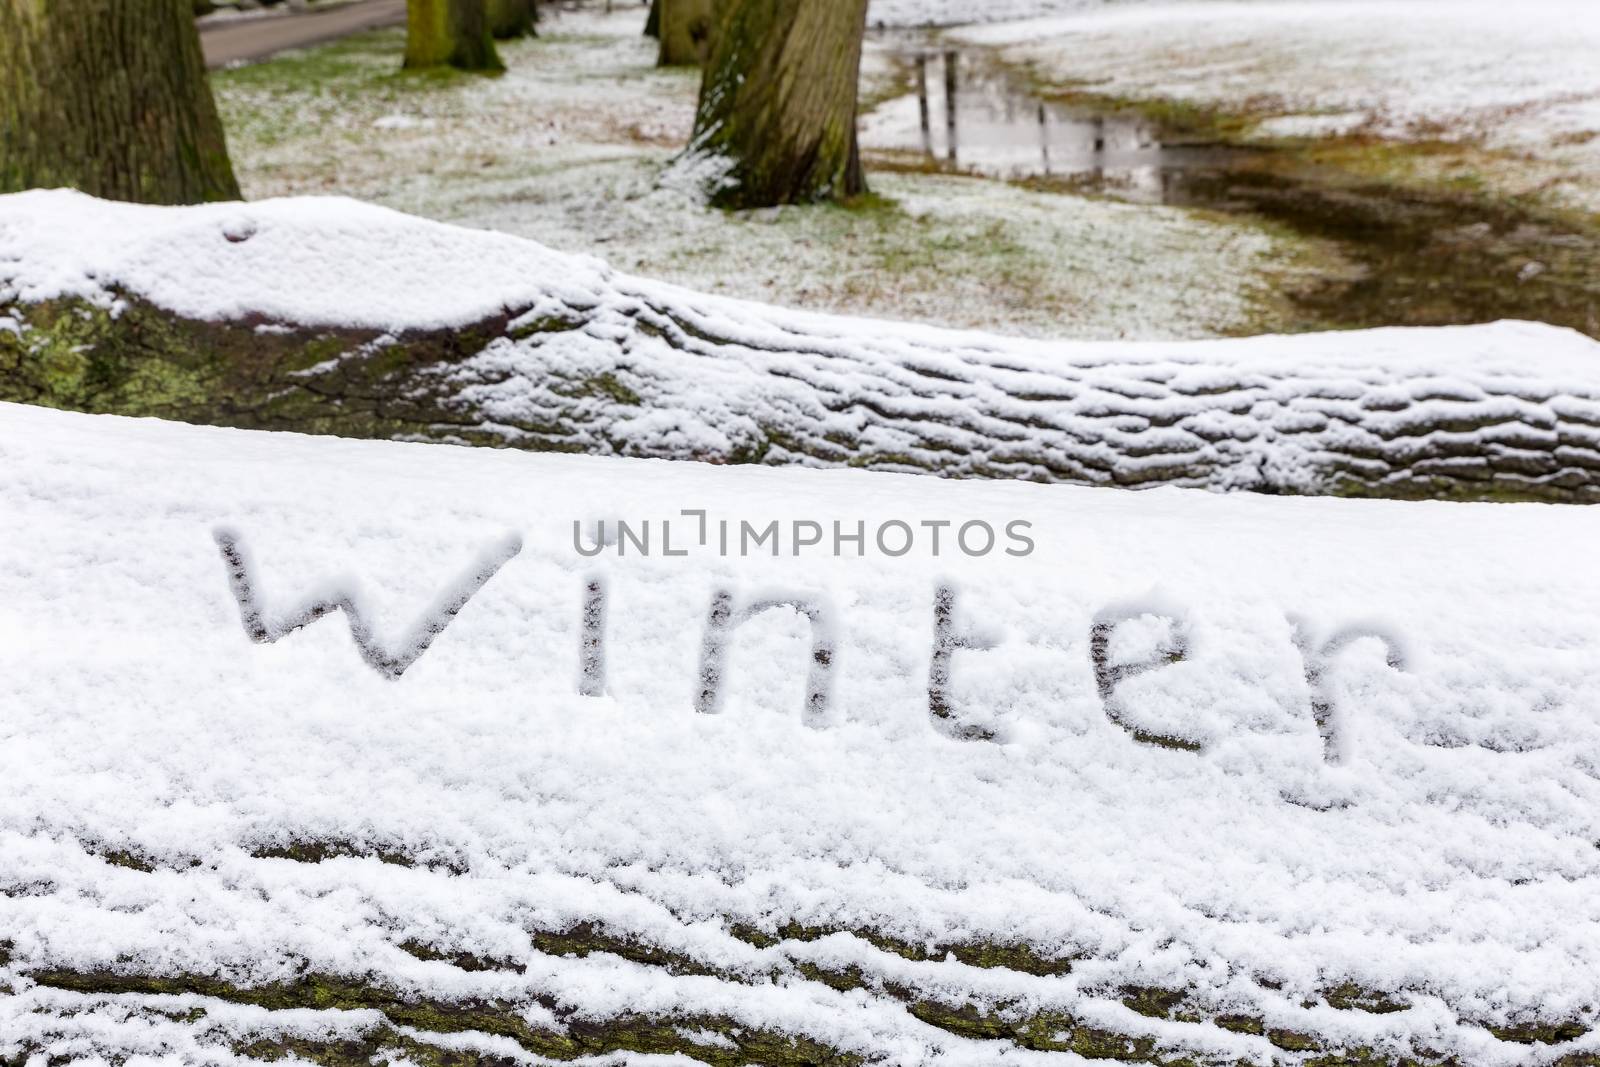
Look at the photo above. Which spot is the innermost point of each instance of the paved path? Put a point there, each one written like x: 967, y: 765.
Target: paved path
x: 245, y: 39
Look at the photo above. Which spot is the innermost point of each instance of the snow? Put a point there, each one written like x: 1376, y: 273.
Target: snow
x: 904, y: 13
x: 1438, y: 842
x: 285, y: 260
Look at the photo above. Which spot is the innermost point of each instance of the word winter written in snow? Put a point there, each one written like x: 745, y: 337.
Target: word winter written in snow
x: 727, y: 612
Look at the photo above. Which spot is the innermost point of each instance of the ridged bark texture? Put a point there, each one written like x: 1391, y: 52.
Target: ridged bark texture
x: 778, y: 102
x: 685, y: 32
x: 111, y: 97
x: 565, y: 379
x: 512, y: 18
x: 453, y: 33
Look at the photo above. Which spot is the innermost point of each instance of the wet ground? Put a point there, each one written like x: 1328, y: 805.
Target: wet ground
x: 1403, y: 251
x: 1420, y: 258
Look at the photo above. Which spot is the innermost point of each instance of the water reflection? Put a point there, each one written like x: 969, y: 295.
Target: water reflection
x: 971, y: 115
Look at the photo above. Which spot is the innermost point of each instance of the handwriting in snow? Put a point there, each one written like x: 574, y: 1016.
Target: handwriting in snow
x: 727, y: 612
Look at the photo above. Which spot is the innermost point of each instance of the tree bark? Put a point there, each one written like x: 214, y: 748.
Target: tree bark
x: 584, y: 377
x: 652, y: 22
x: 509, y: 19
x: 778, y: 103
x: 685, y: 32
x: 402, y: 1024
x: 451, y: 33
x: 398, y: 1025
x: 111, y: 97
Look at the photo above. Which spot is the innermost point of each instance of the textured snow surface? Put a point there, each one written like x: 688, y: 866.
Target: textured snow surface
x: 315, y: 260
x: 1434, y: 837
x: 897, y: 13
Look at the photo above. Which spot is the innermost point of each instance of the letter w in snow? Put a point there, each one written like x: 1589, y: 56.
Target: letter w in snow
x: 391, y: 663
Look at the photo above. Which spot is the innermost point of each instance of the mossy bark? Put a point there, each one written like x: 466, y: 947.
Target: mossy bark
x: 110, y: 97
x: 409, y: 1024
x: 509, y: 19
x: 778, y: 102
x: 685, y: 32
x: 453, y: 33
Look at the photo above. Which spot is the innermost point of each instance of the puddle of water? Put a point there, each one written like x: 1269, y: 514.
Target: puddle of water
x: 969, y: 115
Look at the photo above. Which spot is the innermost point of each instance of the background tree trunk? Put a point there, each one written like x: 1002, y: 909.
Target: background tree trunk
x: 111, y: 97
x: 652, y: 22
x: 449, y: 33
x: 685, y: 32
x: 512, y: 18
x: 779, y: 101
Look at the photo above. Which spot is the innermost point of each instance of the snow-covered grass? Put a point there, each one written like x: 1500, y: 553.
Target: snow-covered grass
x: 165, y: 782
x: 905, y: 13
x: 569, y: 148
x: 1518, y: 78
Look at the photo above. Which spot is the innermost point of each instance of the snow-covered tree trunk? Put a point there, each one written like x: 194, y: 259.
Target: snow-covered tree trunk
x: 778, y: 103
x: 452, y: 33
x: 111, y: 97
x: 647, y: 374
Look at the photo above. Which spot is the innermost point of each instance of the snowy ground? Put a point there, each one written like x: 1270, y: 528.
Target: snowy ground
x: 1515, y: 77
x: 1432, y: 839
x: 569, y: 147
x: 901, y: 13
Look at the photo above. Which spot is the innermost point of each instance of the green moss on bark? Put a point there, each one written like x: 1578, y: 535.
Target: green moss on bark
x: 578, y: 1037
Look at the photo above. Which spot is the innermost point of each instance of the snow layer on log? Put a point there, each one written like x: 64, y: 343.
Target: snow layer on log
x: 1235, y: 777
x: 580, y: 358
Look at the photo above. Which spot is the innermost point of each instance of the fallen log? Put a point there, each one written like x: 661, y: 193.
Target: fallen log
x: 409, y: 330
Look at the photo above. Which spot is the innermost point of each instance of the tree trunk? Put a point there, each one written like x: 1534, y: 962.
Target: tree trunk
x: 652, y: 22
x: 451, y: 33
x: 685, y: 32
x: 753, y: 385
x: 778, y: 103
x: 385, y: 1025
x: 512, y: 18
x: 111, y: 97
